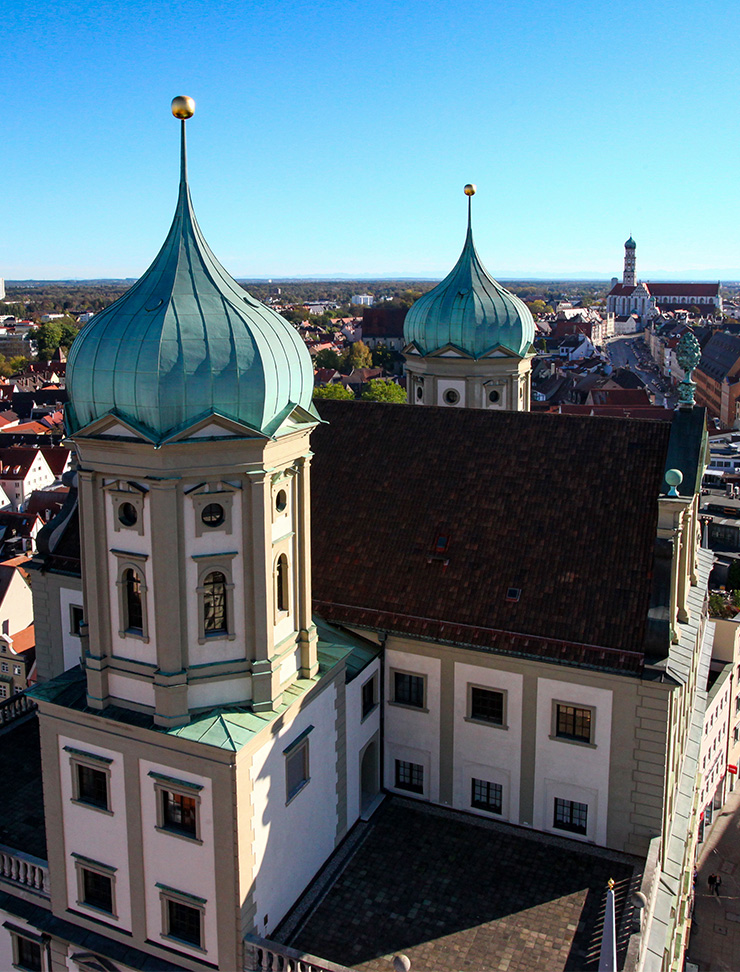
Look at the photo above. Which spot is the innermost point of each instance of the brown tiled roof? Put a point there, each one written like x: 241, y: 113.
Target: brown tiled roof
x: 57, y: 457
x: 453, y: 507
x: 619, y: 396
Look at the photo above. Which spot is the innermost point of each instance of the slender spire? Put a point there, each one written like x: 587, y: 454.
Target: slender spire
x: 183, y: 108
x: 608, y: 952
x: 470, y: 191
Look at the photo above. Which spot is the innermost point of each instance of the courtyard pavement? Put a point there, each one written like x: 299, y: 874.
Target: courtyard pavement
x: 715, y: 933
x: 456, y: 893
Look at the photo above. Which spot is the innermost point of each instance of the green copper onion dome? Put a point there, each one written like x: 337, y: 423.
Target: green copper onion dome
x: 186, y: 341
x: 469, y: 310
x: 630, y: 244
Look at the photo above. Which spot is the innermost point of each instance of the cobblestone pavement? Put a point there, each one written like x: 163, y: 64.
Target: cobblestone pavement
x: 715, y: 933
x: 461, y: 895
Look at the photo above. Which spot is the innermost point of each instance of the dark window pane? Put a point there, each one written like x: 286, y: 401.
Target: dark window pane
x: 214, y: 603
x: 486, y: 796
x: 184, y: 922
x: 178, y: 812
x: 409, y: 776
x: 408, y: 689
x: 213, y: 515
x: 282, y: 583
x: 368, y: 696
x: 97, y: 890
x: 92, y: 786
x: 29, y: 955
x: 570, y: 815
x: 296, y: 770
x: 134, y: 614
x: 487, y: 706
x: 573, y: 723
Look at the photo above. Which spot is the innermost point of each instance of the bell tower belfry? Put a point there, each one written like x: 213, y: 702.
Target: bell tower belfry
x: 630, y: 264
x: 468, y: 340
x: 191, y: 415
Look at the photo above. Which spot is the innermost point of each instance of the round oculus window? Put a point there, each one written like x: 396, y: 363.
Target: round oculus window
x: 451, y: 396
x: 213, y: 515
x: 494, y: 396
x: 419, y: 391
x: 127, y: 514
x: 281, y: 501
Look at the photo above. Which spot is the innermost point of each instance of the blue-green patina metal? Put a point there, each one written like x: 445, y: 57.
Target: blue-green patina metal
x: 470, y: 311
x: 630, y: 244
x: 186, y: 341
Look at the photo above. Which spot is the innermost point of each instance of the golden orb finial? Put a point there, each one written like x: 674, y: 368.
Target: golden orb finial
x: 183, y: 107
x: 610, y: 884
x: 470, y: 189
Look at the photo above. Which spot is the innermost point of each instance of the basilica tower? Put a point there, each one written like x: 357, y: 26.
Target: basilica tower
x: 629, y: 279
x: 469, y: 341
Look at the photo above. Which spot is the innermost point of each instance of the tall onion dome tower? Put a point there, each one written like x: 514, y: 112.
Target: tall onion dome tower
x: 469, y: 341
x: 190, y: 410
x: 629, y: 278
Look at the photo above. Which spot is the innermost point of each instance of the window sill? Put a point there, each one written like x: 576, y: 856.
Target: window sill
x: 406, y: 705
x: 217, y: 636
x: 92, y: 806
x: 486, y: 722
x: 573, y: 742
x: 180, y: 943
x: 96, y: 910
x: 136, y: 635
x: 177, y: 833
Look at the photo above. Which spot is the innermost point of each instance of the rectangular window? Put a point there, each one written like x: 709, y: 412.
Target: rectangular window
x: 369, y: 696
x: 179, y: 813
x: 409, y: 776
x: 3, y: 691
x: 16, y: 669
x: 570, y: 815
x: 572, y: 722
x: 182, y: 916
x: 95, y: 884
x: 296, y: 765
x: 90, y: 779
x: 486, y: 796
x: 183, y: 922
x: 178, y: 806
x: 75, y: 619
x: 28, y: 954
x: 92, y: 786
x: 408, y: 689
x: 5, y: 667
x: 486, y: 705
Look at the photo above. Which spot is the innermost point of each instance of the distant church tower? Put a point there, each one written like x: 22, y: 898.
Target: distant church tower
x: 628, y: 279
x: 469, y: 341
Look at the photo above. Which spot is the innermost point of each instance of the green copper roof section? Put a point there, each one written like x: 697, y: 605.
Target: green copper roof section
x: 470, y: 311
x: 187, y: 341
x: 630, y: 244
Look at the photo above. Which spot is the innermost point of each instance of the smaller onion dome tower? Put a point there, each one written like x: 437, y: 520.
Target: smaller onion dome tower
x: 190, y: 411
x: 629, y: 279
x: 469, y: 341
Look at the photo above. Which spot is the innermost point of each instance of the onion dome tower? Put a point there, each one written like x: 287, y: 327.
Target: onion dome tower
x: 629, y: 279
x: 190, y: 410
x: 469, y: 340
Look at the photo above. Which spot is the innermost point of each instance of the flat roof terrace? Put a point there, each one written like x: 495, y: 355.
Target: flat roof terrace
x: 458, y: 893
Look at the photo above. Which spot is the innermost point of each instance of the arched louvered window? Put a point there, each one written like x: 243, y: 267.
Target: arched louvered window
x: 282, y: 590
x: 214, y: 603
x: 133, y: 601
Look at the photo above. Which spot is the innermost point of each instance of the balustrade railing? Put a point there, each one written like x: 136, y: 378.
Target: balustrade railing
x: 15, y: 707
x: 263, y: 955
x: 24, y: 871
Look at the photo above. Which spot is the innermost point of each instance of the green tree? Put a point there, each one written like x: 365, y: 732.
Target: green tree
x: 733, y: 576
x: 381, y: 390
x: 70, y: 330
x: 334, y: 391
x: 384, y: 358
x: 327, y: 358
x: 17, y: 363
x: 359, y: 355
x: 48, y: 337
x: 716, y: 605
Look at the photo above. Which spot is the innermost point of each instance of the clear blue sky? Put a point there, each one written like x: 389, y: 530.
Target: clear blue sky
x: 335, y: 136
